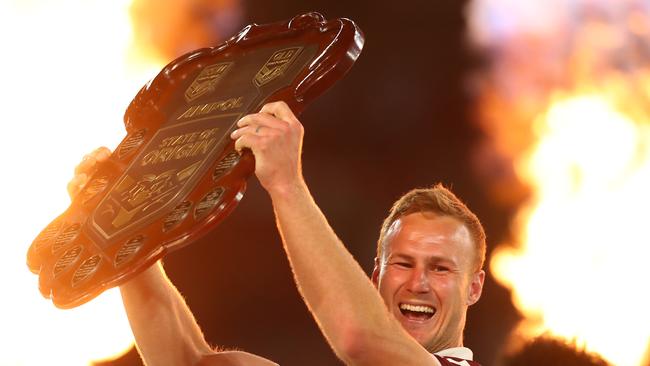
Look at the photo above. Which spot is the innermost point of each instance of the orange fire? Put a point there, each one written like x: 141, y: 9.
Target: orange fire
x: 567, y: 99
x: 67, y: 78
x: 70, y: 69
x: 579, y: 273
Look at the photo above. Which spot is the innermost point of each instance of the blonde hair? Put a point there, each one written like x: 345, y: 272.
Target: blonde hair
x: 441, y: 201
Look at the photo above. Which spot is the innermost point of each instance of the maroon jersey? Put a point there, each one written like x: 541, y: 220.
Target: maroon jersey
x: 455, y: 361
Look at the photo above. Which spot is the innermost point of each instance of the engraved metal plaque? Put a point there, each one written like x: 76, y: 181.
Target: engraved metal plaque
x: 178, y: 157
x: 130, y: 143
x: 178, y: 214
x: 208, y: 202
x: 66, y: 237
x: 225, y: 165
x: 46, y: 236
x: 69, y: 257
x: 93, y: 187
x: 128, y: 250
x: 87, y: 269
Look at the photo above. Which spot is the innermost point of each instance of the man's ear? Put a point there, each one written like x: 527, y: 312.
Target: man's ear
x: 375, y: 273
x: 475, y: 287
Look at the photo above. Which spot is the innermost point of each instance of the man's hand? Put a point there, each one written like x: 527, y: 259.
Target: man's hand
x: 85, y: 169
x: 274, y: 135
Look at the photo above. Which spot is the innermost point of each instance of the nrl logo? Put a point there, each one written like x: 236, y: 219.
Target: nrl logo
x: 135, y: 198
x: 275, y: 66
x: 206, y: 80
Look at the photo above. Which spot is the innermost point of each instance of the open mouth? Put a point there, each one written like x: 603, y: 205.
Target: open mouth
x: 417, y: 312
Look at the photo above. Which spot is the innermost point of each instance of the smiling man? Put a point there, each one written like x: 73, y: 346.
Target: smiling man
x: 427, y: 272
x: 428, y: 268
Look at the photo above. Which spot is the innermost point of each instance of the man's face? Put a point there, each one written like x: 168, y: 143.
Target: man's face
x: 427, y: 277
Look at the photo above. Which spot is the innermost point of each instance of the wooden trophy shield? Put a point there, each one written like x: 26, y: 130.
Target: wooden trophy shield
x: 176, y: 174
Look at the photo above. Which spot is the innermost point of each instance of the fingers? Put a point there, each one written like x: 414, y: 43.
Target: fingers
x: 86, y: 165
x: 255, y: 127
x: 85, y: 169
x: 281, y: 111
x: 102, y: 153
x: 273, y: 117
x: 261, y: 120
x: 274, y: 136
x: 89, y: 161
x: 76, y: 184
x: 274, y: 124
x: 247, y: 141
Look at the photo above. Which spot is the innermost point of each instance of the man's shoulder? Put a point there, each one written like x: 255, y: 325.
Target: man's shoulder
x: 455, y: 361
x: 234, y: 358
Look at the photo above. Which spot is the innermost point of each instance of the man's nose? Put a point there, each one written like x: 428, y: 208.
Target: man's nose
x: 418, y: 281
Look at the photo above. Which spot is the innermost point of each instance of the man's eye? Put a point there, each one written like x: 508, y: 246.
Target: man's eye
x: 440, y: 269
x: 403, y: 264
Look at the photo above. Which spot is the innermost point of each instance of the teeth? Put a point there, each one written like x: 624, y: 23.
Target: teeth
x: 417, y: 308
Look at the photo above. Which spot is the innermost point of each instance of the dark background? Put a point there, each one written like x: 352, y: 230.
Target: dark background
x: 402, y: 118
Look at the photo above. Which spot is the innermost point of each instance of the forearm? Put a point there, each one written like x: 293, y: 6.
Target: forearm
x: 165, y: 330
x: 344, y: 302
x: 347, y: 308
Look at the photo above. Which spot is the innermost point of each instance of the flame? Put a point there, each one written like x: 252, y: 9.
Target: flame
x: 579, y: 274
x: 68, y: 75
x: 70, y: 68
x: 566, y: 102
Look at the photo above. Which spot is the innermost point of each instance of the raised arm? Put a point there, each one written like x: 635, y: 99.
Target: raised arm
x: 346, y: 306
x: 165, y: 330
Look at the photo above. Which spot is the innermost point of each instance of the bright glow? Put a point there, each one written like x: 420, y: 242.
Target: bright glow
x: 67, y: 78
x: 581, y: 271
